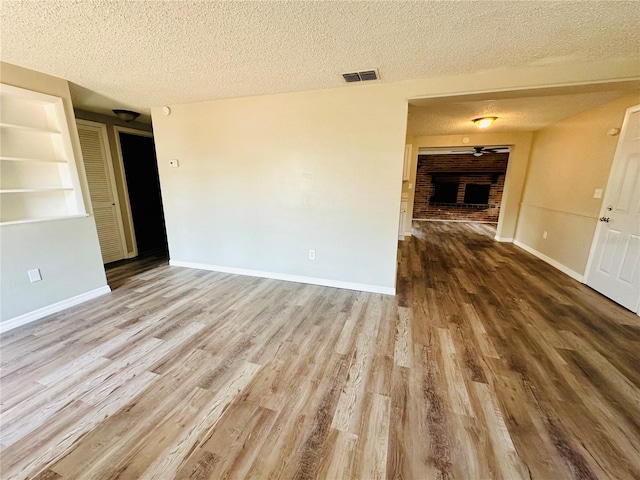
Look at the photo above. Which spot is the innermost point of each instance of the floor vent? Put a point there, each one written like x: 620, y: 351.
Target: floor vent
x: 363, y: 76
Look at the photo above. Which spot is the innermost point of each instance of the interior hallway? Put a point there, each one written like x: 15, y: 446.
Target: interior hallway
x: 488, y: 363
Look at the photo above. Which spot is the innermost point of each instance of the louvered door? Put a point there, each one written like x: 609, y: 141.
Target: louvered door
x: 97, y: 164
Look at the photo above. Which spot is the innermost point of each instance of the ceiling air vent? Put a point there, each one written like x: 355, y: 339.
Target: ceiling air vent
x: 363, y: 76
x: 368, y: 75
x: 351, y: 77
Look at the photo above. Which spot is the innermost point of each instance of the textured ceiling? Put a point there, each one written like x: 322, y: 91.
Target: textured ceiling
x: 523, y: 110
x: 147, y: 53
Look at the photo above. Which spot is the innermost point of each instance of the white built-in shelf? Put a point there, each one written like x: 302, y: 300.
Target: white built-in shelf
x: 27, y: 128
x: 39, y: 175
x: 36, y: 220
x: 22, y: 159
x: 35, y: 190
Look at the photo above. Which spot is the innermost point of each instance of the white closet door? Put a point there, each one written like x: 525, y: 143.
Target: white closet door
x: 97, y: 164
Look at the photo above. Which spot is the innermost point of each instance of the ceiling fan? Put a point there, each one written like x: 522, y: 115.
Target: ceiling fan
x: 479, y: 151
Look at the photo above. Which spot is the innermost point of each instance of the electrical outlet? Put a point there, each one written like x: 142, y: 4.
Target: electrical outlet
x: 312, y: 254
x: 544, y: 234
x: 597, y: 193
x: 34, y: 275
x: 174, y: 163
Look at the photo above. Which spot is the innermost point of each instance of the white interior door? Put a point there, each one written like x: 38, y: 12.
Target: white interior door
x: 614, y: 264
x: 100, y: 177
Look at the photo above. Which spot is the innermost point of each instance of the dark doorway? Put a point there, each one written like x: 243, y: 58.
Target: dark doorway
x: 143, y: 184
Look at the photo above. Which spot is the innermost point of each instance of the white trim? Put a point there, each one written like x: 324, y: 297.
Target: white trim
x: 554, y: 263
x: 503, y: 239
x: 401, y: 236
x: 53, y: 308
x: 286, y: 277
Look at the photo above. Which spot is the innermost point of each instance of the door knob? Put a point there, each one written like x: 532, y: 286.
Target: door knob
x: 609, y: 207
x: 604, y: 219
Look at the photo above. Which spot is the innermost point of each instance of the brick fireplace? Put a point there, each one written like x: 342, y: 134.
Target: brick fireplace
x: 459, y: 187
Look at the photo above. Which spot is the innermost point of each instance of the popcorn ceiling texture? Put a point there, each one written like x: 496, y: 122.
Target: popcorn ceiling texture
x: 143, y: 54
x: 514, y: 114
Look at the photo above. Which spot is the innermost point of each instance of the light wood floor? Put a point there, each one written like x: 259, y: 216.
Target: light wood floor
x: 487, y: 364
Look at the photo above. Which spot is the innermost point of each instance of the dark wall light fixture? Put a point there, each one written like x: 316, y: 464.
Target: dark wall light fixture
x: 126, y: 115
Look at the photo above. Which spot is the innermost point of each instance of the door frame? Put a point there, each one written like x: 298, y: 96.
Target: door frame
x: 112, y: 179
x: 607, y: 196
x: 131, y: 131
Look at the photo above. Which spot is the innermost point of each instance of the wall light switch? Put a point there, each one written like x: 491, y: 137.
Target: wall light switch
x: 174, y: 163
x: 410, y: 186
x: 597, y: 193
x: 544, y: 234
x: 34, y: 275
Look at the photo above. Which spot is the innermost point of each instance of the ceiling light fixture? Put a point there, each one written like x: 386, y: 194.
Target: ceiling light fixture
x: 126, y: 115
x: 484, y: 122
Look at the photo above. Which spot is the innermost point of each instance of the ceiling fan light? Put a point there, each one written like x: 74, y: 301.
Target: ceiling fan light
x: 484, y: 122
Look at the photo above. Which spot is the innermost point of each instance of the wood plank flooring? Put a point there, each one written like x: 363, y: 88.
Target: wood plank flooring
x: 487, y: 364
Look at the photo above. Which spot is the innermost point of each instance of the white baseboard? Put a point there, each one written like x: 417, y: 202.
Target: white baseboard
x: 400, y: 236
x: 286, y: 277
x: 503, y: 239
x: 53, y: 308
x: 554, y: 263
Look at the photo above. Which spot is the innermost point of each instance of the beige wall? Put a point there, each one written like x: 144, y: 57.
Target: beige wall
x: 263, y: 180
x: 569, y: 160
x: 67, y: 251
x: 111, y: 122
x: 520, y: 143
